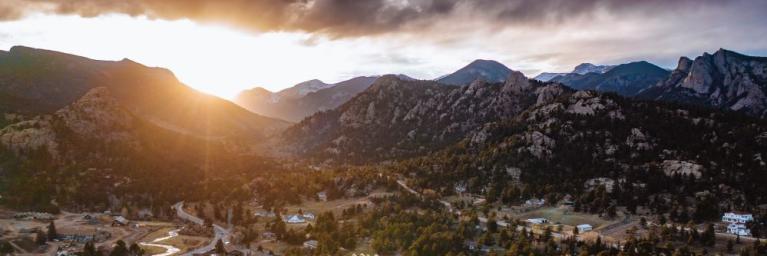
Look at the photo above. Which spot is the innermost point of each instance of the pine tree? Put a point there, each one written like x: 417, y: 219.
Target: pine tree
x: 52, y: 234
x: 41, y: 238
x: 135, y: 250
x: 220, y: 248
x: 89, y: 249
x: 120, y: 249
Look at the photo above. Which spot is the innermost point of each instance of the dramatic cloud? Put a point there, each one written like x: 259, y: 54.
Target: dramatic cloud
x: 342, y: 18
x: 277, y: 43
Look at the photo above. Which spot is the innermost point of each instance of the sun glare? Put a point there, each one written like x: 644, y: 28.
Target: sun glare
x: 214, y: 59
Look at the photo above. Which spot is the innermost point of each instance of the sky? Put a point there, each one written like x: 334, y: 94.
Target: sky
x: 225, y: 46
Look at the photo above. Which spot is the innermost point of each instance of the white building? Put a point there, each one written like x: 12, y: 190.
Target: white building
x: 120, y: 221
x: 584, y: 228
x: 460, y: 188
x: 322, y: 196
x: 295, y: 219
x: 736, y: 217
x: 311, y: 244
x: 535, y: 202
x: 738, y: 229
x: 308, y: 216
x: 537, y: 221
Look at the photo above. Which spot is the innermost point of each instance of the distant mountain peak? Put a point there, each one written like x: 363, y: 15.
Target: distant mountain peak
x: 625, y: 79
x: 585, y: 68
x: 303, y: 88
x: 487, y: 70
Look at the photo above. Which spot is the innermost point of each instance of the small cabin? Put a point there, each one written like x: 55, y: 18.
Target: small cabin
x: 582, y: 228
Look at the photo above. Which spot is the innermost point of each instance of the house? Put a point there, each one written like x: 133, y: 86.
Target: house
x: 535, y: 202
x: 738, y: 229
x: 537, y: 221
x: 308, y: 216
x: 584, y: 228
x: 311, y: 244
x: 460, y: 188
x: 322, y: 196
x: 295, y: 219
x: 737, y: 217
x: 120, y: 221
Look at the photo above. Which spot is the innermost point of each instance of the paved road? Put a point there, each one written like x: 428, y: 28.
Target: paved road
x: 220, y: 233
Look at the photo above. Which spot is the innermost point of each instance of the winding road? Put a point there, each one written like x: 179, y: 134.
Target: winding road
x: 169, y: 250
x: 220, y: 233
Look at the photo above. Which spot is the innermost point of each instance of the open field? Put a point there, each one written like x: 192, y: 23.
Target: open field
x: 561, y: 215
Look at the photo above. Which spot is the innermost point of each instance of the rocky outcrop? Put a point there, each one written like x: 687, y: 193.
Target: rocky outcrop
x: 678, y: 167
x: 396, y: 117
x: 96, y: 116
x: 725, y: 79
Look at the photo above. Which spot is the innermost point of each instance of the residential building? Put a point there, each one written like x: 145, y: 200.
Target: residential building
x: 537, y: 221
x: 311, y: 244
x: 738, y: 229
x: 322, y: 196
x: 584, y: 228
x: 737, y: 217
x: 535, y: 202
x: 295, y: 219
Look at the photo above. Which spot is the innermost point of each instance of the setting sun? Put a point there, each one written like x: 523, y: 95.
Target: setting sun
x: 383, y: 127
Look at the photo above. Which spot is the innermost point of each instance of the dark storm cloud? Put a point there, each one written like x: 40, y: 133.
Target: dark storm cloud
x: 342, y: 18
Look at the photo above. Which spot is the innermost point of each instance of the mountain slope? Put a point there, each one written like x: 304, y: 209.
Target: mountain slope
x: 650, y: 152
x: 396, y: 118
x: 726, y: 80
x: 38, y: 81
x: 487, y: 70
x: 95, y: 148
x: 625, y: 79
x: 290, y: 105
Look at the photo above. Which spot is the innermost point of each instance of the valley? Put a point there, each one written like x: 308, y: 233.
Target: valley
x: 468, y: 164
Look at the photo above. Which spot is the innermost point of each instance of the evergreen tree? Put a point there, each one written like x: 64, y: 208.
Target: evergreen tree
x: 120, y: 249
x: 89, y: 249
x: 52, y: 234
x: 135, y: 250
x: 220, y: 250
x: 6, y: 248
x: 41, y: 238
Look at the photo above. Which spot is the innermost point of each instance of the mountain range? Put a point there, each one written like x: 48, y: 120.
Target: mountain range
x: 302, y: 100
x: 625, y: 79
x: 581, y: 69
x: 63, y: 113
x: 35, y: 81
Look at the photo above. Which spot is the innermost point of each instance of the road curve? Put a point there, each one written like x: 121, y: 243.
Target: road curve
x: 220, y: 233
